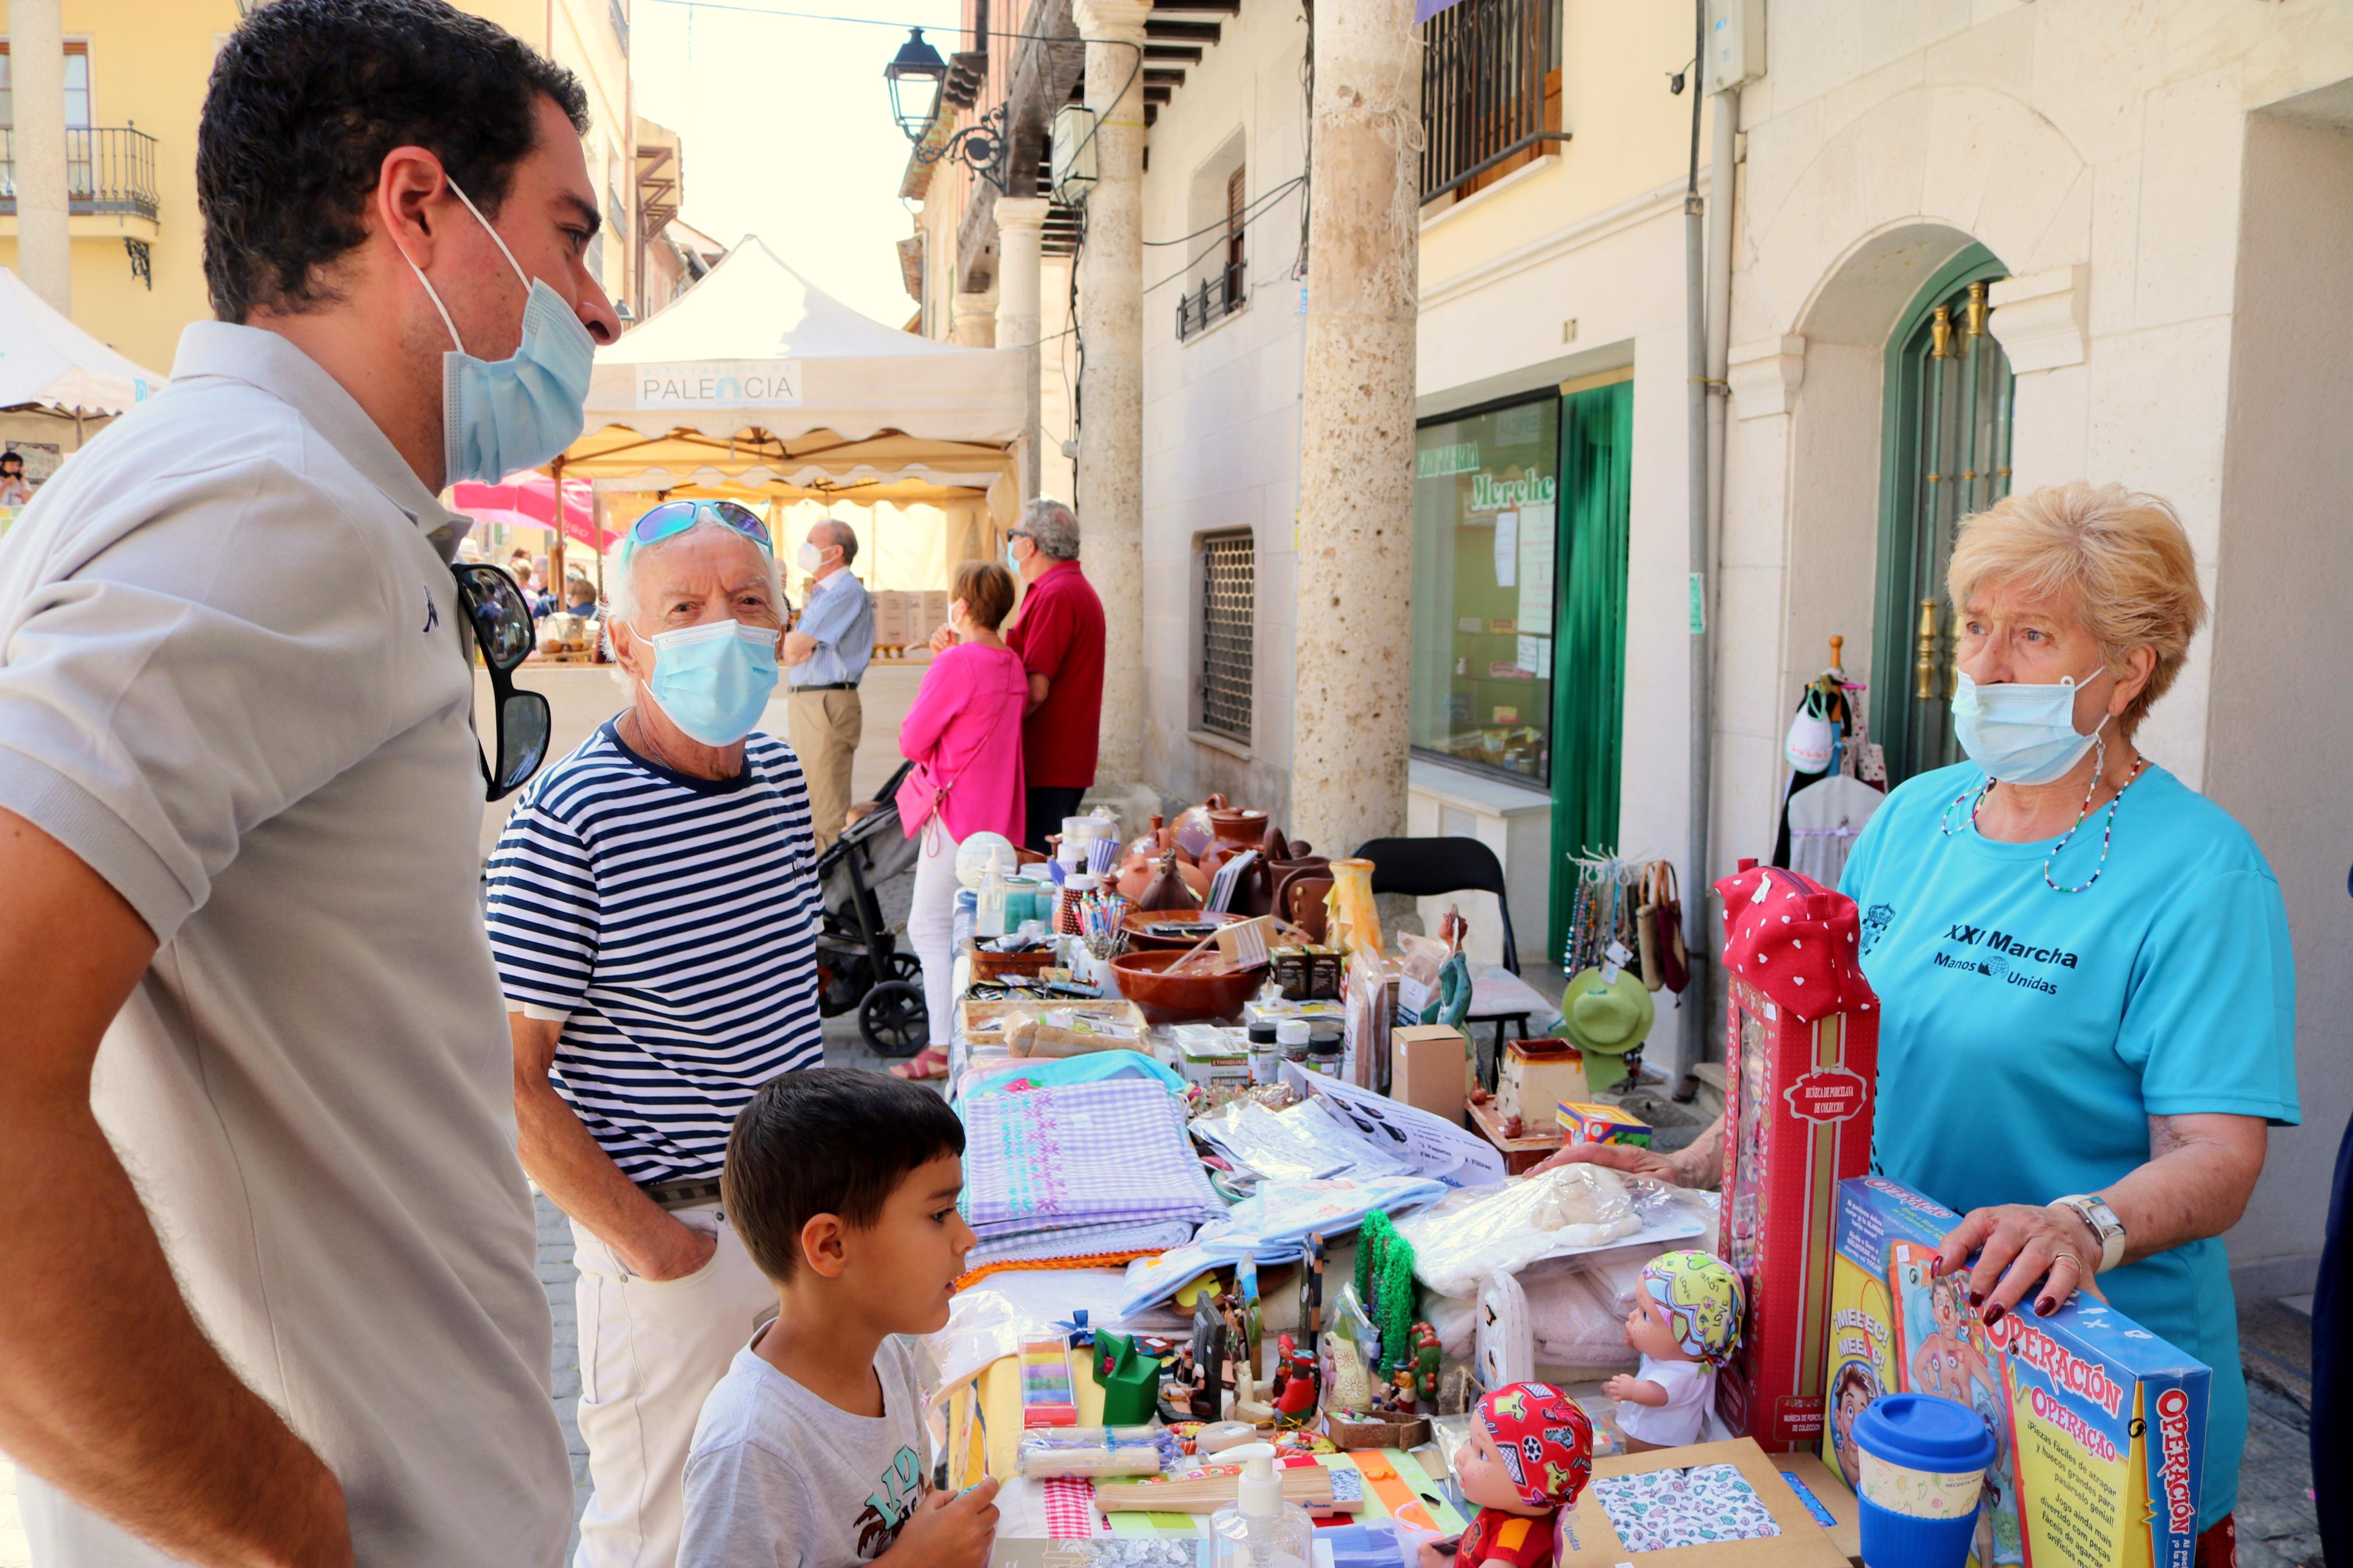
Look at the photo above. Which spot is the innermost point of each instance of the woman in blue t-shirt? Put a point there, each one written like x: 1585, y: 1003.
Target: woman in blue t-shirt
x: 2088, y: 997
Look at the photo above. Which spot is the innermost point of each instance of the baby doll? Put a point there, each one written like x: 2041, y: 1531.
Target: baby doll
x: 1686, y: 1323
x: 1530, y: 1454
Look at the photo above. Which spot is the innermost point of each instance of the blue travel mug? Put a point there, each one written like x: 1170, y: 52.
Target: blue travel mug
x: 1924, y: 1461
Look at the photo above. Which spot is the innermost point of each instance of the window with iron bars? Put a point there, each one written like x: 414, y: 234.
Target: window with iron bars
x: 1490, y: 92
x: 1226, y: 290
x: 1228, y: 594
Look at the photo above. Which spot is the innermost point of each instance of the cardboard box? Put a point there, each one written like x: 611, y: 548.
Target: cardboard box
x: 930, y: 610
x: 2100, y: 1424
x: 1828, y: 1498
x: 1425, y: 1069
x: 1585, y: 1537
x: 1589, y: 1122
x: 1208, y: 1054
x: 1534, y: 1076
x: 891, y: 619
x: 1799, y: 1098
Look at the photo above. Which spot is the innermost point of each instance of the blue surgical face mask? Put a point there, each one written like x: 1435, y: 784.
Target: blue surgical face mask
x: 500, y: 416
x: 713, y: 679
x: 1011, y: 564
x: 2020, y: 734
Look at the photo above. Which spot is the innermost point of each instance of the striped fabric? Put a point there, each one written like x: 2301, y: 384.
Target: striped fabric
x: 671, y: 923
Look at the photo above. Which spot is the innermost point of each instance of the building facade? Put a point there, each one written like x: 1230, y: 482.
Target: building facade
x: 1971, y: 247
x: 135, y: 78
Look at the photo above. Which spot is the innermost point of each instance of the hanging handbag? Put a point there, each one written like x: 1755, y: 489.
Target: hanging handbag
x: 1667, y: 920
x: 1646, y: 930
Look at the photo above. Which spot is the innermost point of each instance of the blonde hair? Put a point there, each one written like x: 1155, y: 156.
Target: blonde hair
x: 2120, y: 559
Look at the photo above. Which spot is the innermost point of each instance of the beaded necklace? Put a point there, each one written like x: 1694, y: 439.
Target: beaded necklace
x: 2108, y: 832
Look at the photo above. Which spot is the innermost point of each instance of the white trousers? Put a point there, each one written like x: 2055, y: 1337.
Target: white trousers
x: 931, y: 926
x: 650, y: 1355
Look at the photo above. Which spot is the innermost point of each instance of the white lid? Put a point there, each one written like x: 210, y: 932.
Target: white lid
x: 1291, y: 1032
x: 1259, y: 1494
x: 1082, y: 882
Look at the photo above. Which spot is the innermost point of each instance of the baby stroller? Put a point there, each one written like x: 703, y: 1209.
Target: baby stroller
x: 860, y: 960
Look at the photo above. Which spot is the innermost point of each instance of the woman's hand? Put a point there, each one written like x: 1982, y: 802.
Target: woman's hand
x: 942, y: 639
x: 2021, y: 1248
x: 1699, y: 1164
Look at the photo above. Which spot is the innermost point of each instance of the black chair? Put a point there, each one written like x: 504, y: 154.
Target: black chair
x: 1433, y: 867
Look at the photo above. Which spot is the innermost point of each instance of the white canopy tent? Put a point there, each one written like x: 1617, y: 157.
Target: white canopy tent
x: 757, y: 377
x: 52, y: 370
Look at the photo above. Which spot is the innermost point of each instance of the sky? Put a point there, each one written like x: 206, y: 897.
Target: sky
x: 787, y: 129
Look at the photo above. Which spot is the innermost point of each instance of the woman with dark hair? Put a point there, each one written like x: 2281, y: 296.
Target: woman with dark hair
x: 14, y: 491
x: 965, y: 732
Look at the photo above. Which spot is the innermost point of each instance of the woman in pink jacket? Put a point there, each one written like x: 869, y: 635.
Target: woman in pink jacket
x: 965, y: 731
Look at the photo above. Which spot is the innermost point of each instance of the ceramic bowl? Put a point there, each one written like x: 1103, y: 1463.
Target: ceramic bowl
x: 1188, y: 997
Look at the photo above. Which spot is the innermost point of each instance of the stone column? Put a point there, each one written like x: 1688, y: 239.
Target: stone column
x: 37, y: 54
x: 974, y: 325
x: 1020, y: 228
x: 1111, y: 386
x: 1349, y: 740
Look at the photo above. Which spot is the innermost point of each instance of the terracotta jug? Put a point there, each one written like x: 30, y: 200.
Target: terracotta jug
x: 1303, y: 898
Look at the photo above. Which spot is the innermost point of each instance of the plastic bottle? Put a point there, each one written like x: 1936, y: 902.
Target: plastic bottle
x: 1259, y: 1529
x: 988, y: 915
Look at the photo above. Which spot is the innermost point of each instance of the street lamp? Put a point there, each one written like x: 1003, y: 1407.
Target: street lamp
x: 916, y: 61
x: 980, y: 146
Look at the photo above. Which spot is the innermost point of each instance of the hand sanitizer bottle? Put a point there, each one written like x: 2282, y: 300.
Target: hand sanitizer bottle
x: 1259, y: 1529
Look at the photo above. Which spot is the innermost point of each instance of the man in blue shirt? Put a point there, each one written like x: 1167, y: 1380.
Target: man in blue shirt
x: 826, y: 654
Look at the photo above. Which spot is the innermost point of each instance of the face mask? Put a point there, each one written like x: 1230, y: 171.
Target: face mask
x: 500, y: 416
x: 713, y: 679
x: 2020, y: 734
x: 809, y: 556
x: 1011, y: 564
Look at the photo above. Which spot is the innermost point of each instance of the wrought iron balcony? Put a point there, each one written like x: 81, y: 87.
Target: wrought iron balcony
x: 1213, y: 299
x: 109, y: 171
x: 1490, y: 90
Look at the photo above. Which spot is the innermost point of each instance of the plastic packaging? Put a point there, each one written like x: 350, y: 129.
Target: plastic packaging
x: 1299, y: 1143
x: 1258, y: 1528
x: 1550, y: 1214
x: 1047, y: 1452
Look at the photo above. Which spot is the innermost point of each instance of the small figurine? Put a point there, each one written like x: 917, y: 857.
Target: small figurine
x: 1686, y: 1324
x: 1310, y: 1286
x: 1297, y: 1383
x: 1427, y: 1355
x: 1208, y: 1360
x: 1530, y: 1455
x: 1401, y: 1397
x: 1177, y: 1387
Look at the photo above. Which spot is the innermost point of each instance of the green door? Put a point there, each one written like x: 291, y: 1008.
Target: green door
x: 1597, y: 449
x: 1945, y: 454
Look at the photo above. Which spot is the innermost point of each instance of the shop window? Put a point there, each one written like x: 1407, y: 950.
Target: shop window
x: 1484, y: 580
x: 1229, y: 594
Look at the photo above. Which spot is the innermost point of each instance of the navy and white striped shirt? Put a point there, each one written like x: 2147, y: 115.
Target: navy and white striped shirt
x: 671, y: 923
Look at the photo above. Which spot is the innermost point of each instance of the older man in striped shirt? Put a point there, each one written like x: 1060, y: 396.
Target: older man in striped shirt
x: 653, y: 904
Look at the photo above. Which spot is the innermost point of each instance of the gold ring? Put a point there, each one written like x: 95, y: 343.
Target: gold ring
x: 2059, y: 1258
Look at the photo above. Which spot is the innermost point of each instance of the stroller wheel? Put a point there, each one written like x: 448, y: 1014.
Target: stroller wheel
x: 893, y: 1019
x: 908, y: 967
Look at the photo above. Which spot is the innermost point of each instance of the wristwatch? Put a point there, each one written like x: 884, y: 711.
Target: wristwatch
x: 2096, y: 1213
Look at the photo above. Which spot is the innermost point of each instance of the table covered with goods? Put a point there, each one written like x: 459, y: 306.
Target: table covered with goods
x: 1268, y: 1269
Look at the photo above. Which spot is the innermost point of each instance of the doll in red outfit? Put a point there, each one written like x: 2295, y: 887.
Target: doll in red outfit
x: 1530, y: 1454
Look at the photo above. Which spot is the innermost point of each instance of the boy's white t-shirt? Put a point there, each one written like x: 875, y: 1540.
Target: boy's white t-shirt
x: 1690, y: 1389
x: 778, y: 1474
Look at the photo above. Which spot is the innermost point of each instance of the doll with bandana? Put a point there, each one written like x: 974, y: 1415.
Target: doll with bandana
x: 1530, y: 1454
x: 1686, y: 1324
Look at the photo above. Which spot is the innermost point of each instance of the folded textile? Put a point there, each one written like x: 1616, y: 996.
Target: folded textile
x: 1271, y: 1225
x: 1083, y: 1154
x: 1081, y: 1241
x: 1658, y: 1510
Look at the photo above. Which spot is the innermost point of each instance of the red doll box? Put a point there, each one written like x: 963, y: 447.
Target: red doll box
x: 1801, y: 1060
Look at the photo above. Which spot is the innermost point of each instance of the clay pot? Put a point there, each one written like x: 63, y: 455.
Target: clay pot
x: 1197, y: 992
x: 1303, y: 904
x: 1282, y: 873
x: 1170, y: 888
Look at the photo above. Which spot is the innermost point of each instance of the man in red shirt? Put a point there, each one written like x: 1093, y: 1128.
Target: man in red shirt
x: 1060, y: 637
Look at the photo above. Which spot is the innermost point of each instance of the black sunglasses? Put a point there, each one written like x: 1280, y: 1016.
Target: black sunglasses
x: 495, y: 607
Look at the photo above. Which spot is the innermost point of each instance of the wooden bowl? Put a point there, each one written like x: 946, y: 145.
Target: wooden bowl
x: 1188, y: 997
x: 1138, y: 937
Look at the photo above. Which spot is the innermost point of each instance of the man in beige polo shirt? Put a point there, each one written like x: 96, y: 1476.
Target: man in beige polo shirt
x: 267, y: 1284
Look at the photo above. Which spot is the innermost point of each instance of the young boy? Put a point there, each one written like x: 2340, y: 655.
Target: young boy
x: 811, y: 1452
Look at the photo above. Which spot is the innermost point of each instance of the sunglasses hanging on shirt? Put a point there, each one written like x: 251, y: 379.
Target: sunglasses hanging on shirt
x: 501, y: 620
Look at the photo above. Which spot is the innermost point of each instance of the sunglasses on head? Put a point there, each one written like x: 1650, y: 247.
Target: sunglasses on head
x: 675, y: 517
x: 501, y: 620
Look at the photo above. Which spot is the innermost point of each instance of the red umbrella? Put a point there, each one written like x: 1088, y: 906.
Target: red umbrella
x: 528, y: 500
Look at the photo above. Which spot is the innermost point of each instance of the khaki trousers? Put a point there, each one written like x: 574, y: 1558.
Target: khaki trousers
x: 825, y: 729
